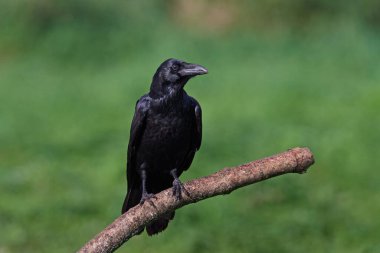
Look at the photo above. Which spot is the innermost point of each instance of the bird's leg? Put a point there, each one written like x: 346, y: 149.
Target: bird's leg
x: 145, y: 195
x: 177, y: 185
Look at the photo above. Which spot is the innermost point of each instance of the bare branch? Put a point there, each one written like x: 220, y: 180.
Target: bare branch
x: 295, y: 160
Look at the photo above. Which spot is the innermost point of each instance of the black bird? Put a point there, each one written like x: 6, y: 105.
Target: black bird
x: 166, y: 132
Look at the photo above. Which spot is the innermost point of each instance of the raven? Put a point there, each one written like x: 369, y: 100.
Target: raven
x: 166, y: 132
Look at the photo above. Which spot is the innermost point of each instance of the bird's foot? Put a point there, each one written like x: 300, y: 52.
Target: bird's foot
x: 147, y: 197
x: 178, y: 188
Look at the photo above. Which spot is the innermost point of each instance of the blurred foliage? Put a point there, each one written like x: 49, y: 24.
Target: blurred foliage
x: 282, y: 74
x: 89, y: 25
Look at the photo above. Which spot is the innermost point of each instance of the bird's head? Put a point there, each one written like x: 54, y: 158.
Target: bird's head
x: 173, y: 74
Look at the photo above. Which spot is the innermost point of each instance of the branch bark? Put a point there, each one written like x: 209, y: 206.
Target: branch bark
x: 296, y: 160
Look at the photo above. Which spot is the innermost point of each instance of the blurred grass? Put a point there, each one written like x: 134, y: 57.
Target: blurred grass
x: 68, y: 91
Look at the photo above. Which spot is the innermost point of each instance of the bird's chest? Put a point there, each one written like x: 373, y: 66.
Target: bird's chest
x: 166, y: 139
x: 170, y: 124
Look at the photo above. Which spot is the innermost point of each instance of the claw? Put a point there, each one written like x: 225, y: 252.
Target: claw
x: 178, y: 188
x: 147, y: 197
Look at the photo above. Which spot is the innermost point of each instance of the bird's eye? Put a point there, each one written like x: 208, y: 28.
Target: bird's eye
x: 175, y: 67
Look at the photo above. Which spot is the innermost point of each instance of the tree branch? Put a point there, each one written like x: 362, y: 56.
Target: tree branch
x: 295, y: 160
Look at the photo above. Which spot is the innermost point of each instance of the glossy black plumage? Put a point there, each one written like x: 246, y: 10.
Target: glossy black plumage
x: 166, y: 132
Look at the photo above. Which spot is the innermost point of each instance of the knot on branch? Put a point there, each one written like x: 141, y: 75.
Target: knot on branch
x: 304, y: 159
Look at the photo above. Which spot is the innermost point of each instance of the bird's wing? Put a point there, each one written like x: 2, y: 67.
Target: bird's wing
x: 196, y: 135
x: 198, y: 123
x: 137, y: 129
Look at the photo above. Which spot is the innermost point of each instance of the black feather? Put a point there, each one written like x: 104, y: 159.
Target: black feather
x: 166, y: 132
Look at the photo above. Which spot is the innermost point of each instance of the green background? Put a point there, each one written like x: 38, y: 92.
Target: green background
x: 281, y: 74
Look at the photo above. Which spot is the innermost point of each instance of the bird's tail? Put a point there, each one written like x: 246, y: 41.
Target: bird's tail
x: 159, y: 225
x: 132, y: 199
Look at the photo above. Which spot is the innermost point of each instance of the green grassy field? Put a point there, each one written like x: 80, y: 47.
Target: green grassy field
x: 66, y: 107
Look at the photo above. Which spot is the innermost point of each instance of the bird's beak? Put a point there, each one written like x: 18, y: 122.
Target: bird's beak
x: 189, y: 69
